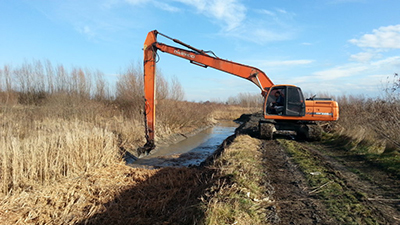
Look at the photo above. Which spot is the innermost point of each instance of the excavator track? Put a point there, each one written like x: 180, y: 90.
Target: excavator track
x: 308, y: 132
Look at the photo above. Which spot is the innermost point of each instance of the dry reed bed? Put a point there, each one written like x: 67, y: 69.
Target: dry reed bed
x: 50, y: 150
x: 116, y: 194
x: 71, y: 200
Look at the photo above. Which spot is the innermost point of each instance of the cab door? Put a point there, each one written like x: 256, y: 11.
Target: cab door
x: 294, y: 104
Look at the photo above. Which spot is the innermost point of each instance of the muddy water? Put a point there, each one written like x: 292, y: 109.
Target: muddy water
x: 189, y: 152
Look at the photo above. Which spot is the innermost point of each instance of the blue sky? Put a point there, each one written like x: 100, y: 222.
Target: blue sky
x: 332, y: 46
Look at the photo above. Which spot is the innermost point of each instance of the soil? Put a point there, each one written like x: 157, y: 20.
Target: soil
x: 297, y: 204
x: 376, y: 190
x: 290, y: 190
x: 380, y: 190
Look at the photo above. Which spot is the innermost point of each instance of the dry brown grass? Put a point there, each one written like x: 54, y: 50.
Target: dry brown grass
x: 37, y: 151
x: 372, y: 122
x: 117, y: 194
x: 63, y: 134
x: 239, y: 195
x: 232, y: 112
x: 369, y: 122
x: 246, y: 100
x: 71, y: 200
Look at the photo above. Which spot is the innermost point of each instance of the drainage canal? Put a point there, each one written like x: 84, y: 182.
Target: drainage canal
x: 191, y: 151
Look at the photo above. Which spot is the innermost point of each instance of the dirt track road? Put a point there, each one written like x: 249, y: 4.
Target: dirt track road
x: 294, y: 204
x: 366, y: 194
x: 314, y: 183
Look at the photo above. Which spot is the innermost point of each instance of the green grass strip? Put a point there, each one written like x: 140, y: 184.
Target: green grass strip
x: 341, y: 202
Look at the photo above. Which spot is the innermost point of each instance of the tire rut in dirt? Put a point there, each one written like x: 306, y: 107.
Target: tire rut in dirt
x: 381, y: 191
x: 294, y: 203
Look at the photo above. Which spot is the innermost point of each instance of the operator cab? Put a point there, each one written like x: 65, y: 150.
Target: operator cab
x: 285, y: 100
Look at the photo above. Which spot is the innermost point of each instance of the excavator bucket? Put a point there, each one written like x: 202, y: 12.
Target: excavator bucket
x: 145, y: 150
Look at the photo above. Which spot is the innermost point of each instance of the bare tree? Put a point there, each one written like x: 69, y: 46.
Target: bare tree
x: 176, y: 91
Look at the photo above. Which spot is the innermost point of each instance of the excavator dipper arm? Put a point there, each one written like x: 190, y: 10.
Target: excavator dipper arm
x: 195, y: 56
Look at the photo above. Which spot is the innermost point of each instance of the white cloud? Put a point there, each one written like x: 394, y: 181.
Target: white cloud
x: 231, y: 17
x: 282, y: 11
x: 387, y: 65
x: 198, y: 4
x: 365, y: 77
x: 266, y: 26
x: 363, y: 56
x: 159, y: 4
x: 381, y: 38
x: 166, y: 7
x: 341, y: 71
x: 390, y: 62
x: 137, y: 2
x: 286, y: 62
x: 267, y: 12
x: 87, y: 31
x: 231, y: 12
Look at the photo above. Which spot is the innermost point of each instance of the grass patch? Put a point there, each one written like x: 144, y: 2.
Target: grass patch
x: 389, y: 162
x: 387, y: 158
x: 238, y: 196
x: 341, y: 202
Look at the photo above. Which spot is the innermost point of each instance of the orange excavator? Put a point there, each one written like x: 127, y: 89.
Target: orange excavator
x: 284, y: 109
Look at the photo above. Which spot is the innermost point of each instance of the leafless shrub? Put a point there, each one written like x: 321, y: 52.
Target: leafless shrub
x: 246, y: 100
x: 374, y: 121
x: 129, y: 91
x: 7, y: 94
x: 178, y: 115
x: 61, y: 80
x: 176, y: 91
x: 80, y: 83
x: 162, y: 86
x: 102, y: 92
x: 392, y: 88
